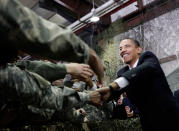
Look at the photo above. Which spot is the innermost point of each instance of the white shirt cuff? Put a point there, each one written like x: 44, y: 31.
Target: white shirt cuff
x: 122, y: 82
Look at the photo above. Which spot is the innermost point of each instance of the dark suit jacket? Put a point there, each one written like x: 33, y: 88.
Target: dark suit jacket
x: 150, y: 92
x: 176, y: 94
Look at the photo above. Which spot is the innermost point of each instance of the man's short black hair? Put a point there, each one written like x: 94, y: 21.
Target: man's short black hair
x: 135, y: 41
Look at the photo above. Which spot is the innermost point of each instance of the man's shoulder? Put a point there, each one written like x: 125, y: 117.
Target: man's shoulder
x: 147, y: 54
x: 122, y: 70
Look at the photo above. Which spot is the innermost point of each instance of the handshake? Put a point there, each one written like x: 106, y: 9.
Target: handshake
x: 84, y: 72
x: 100, y: 95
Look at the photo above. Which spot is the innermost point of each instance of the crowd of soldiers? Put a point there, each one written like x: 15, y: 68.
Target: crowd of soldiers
x: 28, y: 92
x: 25, y: 86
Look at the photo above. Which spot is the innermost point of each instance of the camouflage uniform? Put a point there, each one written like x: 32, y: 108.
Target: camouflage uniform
x: 93, y: 113
x: 47, y: 70
x: 22, y: 29
x: 98, y: 114
x: 52, y: 72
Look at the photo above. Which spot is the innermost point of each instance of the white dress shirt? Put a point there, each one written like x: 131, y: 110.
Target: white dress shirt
x: 122, y: 81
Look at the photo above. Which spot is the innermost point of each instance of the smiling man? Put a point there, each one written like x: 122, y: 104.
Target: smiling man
x: 130, y: 51
x: 146, y: 86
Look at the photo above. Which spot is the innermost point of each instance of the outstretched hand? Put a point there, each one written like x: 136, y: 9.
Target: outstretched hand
x: 79, y: 70
x: 105, y: 92
x: 95, y: 98
x: 96, y: 65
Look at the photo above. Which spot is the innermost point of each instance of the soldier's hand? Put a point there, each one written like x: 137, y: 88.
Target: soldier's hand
x: 95, y: 98
x: 129, y: 113
x: 82, y: 111
x: 88, y: 80
x: 96, y: 65
x: 105, y: 92
x: 79, y: 70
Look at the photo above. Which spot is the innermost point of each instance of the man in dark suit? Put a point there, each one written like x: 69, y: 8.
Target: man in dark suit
x: 146, y: 86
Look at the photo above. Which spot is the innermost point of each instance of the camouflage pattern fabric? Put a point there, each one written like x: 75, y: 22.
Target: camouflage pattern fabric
x: 51, y: 72
x: 80, y: 85
x: 51, y: 115
x: 44, y: 68
x: 29, y: 88
x: 132, y: 124
x: 98, y: 114
x: 31, y: 33
x: 93, y: 113
x: 47, y: 70
x: 22, y: 29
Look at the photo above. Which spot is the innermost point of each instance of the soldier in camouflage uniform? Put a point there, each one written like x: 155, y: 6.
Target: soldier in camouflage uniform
x: 22, y: 29
x: 53, y: 72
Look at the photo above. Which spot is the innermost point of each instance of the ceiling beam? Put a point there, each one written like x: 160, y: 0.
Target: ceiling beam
x: 150, y: 11
x: 59, y: 9
x: 122, y: 5
x: 140, y: 4
x: 80, y: 7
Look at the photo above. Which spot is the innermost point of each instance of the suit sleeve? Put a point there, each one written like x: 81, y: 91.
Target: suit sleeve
x: 33, y: 34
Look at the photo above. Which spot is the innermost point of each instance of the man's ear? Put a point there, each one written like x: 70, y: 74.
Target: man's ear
x: 139, y: 50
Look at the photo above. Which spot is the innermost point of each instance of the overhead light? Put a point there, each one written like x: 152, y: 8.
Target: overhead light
x: 106, y: 8
x: 94, y: 17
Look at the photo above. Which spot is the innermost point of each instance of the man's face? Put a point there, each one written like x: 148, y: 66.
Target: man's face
x: 129, y: 51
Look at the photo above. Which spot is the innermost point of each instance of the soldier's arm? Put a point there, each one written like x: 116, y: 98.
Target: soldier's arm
x: 72, y: 114
x: 48, y: 70
x: 33, y: 34
x: 29, y: 88
x: 52, y: 72
x: 22, y: 29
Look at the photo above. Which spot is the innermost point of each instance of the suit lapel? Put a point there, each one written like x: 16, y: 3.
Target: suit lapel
x: 124, y: 69
x: 121, y: 71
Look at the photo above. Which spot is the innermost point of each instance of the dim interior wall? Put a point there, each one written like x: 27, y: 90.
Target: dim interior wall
x: 159, y: 35
x: 145, y: 2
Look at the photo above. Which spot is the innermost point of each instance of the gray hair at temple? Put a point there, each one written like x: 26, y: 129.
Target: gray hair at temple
x: 137, y: 43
